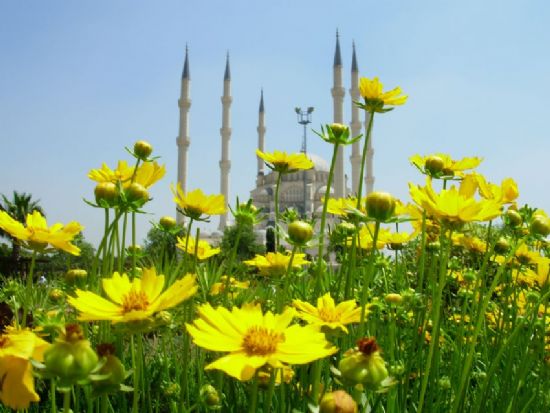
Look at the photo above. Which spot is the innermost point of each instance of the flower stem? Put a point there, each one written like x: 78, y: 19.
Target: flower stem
x: 364, y: 158
x: 324, y: 219
x: 67, y: 401
x: 52, y: 396
x: 316, y: 381
x: 136, y: 365
x: 279, y: 176
x: 253, y: 398
x: 368, y: 276
x: 29, y: 288
x: 436, y: 314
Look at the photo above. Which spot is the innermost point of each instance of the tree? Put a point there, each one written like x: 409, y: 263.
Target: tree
x: 18, y: 207
x: 247, y: 246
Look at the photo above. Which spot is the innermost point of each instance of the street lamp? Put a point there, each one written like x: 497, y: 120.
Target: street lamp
x: 304, y: 119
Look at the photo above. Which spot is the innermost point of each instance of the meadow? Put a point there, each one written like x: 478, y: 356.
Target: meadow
x: 438, y: 303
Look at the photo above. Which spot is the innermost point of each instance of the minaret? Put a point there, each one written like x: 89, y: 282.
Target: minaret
x: 261, y: 135
x: 183, y: 140
x: 225, y: 132
x: 355, y: 125
x: 338, y: 93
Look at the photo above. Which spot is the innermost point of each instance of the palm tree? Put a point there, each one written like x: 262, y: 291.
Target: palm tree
x: 18, y: 207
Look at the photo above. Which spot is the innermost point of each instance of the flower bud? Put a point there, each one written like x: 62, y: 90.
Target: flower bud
x: 112, y: 368
x: 338, y: 129
x: 502, y: 246
x: 75, y: 274
x: 469, y: 276
x: 71, y: 358
x: 210, y: 397
x: 137, y: 192
x: 55, y: 295
x: 300, y: 232
x: 142, y: 149
x: 380, y: 206
x: 434, y: 165
x: 364, y: 365
x: 513, y: 218
x: 167, y: 222
x: 540, y: 225
x: 107, y: 192
x: 393, y: 298
x: 337, y: 402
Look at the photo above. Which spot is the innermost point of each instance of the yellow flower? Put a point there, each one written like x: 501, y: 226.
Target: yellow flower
x: 328, y: 314
x: 366, y: 237
x: 506, y: 193
x: 17, y: 347
x: 275, y: 263
x: 395, y: 240
x: 147, y: 174
x: 285, y: 163
x: 344, y: 206
x: 376, y: 98
x: 132, y: 301
x: 36, y: 235
x: 254, y: 339
x: 220, y: 286
x: 453, y: 206
x: 195, y: 204
x: 203, y: 249
x: 473, y: 244
x: 450, y: 166
x: 122, y: 173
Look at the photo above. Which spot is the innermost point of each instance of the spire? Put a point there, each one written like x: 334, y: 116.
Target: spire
x: 227, y: 75
x: 186, y: 74
x: 337, y: 56
x: 262, y: 102
x: 354, y: 67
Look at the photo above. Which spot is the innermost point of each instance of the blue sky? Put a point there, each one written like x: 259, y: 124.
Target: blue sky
x: 81, y: 80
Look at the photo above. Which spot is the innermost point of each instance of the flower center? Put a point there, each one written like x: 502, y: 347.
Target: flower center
x: 329, y: 315
x: 259, y: 341
x: 135, y: 301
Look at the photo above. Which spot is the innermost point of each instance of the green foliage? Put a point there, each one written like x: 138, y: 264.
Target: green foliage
x: 241, y: 239
x: 161, y: 242
x: 60, y: 261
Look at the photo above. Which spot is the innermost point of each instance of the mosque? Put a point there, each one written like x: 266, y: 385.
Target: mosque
x: 303, y: 190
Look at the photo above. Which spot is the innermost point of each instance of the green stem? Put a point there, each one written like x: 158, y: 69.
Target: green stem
x: 316, y: 381
x: 324, y: 219
x: 29, y: 288
x: 253, y: 397
x: 136, y: 366
x: 134, y: 252
x: 67, y: 401
x: 271, y: 390
x: 279, y: 175
x: 52, y: 396
x: 479, y: 323
x: 436, y: 314
x: 122, y: 252
x: 363, y: 159
x: 368, y: 276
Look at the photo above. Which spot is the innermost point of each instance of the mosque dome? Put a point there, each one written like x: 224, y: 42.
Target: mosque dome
x: 319, y: 164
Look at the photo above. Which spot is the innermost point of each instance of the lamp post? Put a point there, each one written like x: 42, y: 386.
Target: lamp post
x: 304, y: 119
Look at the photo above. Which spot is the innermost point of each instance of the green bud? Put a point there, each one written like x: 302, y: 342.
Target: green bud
x: 337, y: 402
x: 502, y: 246
x: 364, y: 365
x: 137, y: 192
x: 300, y: 232
x: 434, y: 165
x: 142, y: 149
x: 380, y: 206
x: 210, y: 397
x: 167, y: 222
x: 106, y: 192
x: 540, y: 225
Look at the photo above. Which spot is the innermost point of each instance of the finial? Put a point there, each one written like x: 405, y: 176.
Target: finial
x: 262, y: 101
x: 337, y: 56
x: 227, y: 75
x: 354, y: 67
x: 186, y: 74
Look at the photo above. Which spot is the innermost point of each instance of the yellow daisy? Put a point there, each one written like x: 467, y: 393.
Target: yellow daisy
x: 448, y: 165
x: 220, y: 286
x: 372, y: 90
x: 471, y: 243
x: 285, y: 163
x: 343, y: 206
x: 147, y: 174
x: 328, y: 314
x: 195, y: 204
x: 17, y: 347
x: 254, y: 339
x: 275, y: 263
x: 36, y: 235
x: 132, y: 301
x: 506, y: 193
x: 366, y: 237
x: 203, y: 249
x: 454, y: 206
